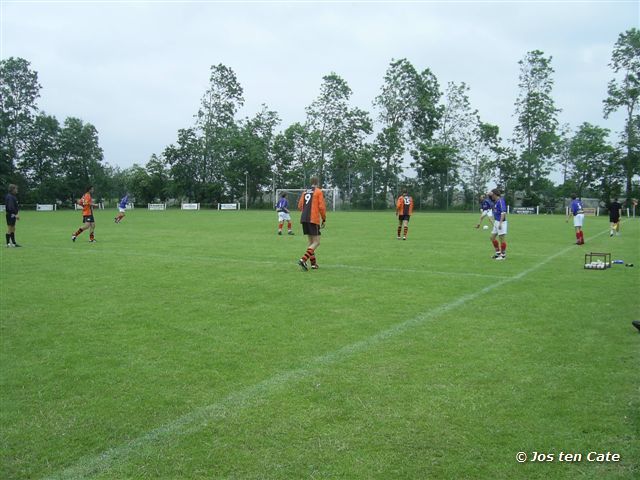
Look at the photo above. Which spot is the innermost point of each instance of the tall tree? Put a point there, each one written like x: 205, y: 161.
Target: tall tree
x: 409, y: 113
x: 623, y: 93
x: 216, y: 123
x: 327, y: 121
x: 249, y: 168
x: 535, y: 133
x: 40, y: 163
x: 80, y: 157
x: 19, y: 90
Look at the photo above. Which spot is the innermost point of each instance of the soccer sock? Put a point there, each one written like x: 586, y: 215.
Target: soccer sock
x: 581, y: 236
x: 313, y: 259
x: 399, y: 229
x: 308, y: 254
x: 13, y: 237
x: 78, y: 232
x: 503, y: 246
x: 578, y: 236
x: 8, y: 237
x: 289, y: 226
x: 406, y: 229
x: 280, y: 226
x: 496, y: 245
x: 91, y: 236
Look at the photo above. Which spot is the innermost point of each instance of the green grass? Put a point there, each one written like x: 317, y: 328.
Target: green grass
x: 189, y: 345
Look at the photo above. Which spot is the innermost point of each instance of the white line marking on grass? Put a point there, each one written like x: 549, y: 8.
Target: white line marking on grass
x: 198, y: 419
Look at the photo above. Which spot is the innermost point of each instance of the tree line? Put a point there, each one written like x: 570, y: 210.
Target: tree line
x: 414, y: 120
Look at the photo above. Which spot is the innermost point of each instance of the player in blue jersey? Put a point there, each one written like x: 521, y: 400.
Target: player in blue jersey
x: 282, y: 208
x: 576, y: 210
x: 486, y: 207
x: 499, y: 225
x: 122, y: 208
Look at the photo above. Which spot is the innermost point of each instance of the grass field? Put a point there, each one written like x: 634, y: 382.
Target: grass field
x: 189, y: 345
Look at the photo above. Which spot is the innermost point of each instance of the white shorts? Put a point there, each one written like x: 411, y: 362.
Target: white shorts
x: 499, y: 231
x: 122, y: 210
x: 485, y: 213
x: 578, y: 220
x: 282, y: 216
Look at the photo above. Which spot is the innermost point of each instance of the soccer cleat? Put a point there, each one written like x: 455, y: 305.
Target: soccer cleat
x: 496, y: 255
x: 303, y: 265
x: 17, y: 245
x: 290, y: 233
x: 73, y: 238
x: 314, y: 266
x: 279, y: 232
x: 500, y: 257
x: 93, y: 240
x: 115, y: 220
x: 404, y: 238
x: 10, y: 245
x: 399, y: 237
x: 636, y: 323
x: 611, y: 233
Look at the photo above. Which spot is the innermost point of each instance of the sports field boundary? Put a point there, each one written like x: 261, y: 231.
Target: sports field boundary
x: 198, y: 419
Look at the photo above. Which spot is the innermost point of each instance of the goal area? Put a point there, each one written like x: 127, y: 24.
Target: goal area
x: 293, y: 195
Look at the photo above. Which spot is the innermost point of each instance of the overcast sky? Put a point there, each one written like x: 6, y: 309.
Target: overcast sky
x: 137, y: 70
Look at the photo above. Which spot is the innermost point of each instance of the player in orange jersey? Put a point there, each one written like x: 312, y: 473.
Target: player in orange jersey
x: 404, y: 209
x: 88, y: 222
x: 313, y: 218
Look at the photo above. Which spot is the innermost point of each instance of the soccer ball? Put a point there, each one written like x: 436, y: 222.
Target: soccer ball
x: 485, y: 228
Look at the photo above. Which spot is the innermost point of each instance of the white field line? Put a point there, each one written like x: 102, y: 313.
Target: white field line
x: 198, y: 419
x: 327, y: 266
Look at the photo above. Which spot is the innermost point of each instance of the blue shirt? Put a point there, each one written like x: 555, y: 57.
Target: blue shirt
x: 124, y: 201
x: 576, y: 207
x: 499, y: 208
x: 486, y: 204
x: 283, y: 205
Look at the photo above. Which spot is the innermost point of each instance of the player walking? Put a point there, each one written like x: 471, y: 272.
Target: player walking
x: 11, y: 209
x: 614, y: 217
x: 88, y: 222
x: 314, y: 211
x: 578, y: 218
x: 404, y: 209
x: 283, y: 214
x: 122, y: 208
x: 499, y: 225
x: 486, y: 207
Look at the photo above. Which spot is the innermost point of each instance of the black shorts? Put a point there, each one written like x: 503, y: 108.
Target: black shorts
x: 614, y: 219
x: 11, y: 220
x: 88, y: 219
x: 310, y: 228
x: 404, y: 217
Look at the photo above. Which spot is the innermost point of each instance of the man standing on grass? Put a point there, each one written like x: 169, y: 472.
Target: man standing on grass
x: 88, y: 222
x: 499, y: 225
x: 122, y: 208
x: 404, y: 210
x: 314, y: 210
x: 282, y: 208
x: 578, y: 218
x: 614, y: 217
x: 11, y: 210
x: 486, y: 207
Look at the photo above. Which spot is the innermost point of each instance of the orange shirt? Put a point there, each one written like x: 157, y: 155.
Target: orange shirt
x: 312, y: 205
x: 86, y: 201
x: 404, y: 206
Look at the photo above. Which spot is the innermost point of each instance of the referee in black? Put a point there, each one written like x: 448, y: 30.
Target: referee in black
x: 11, y: 206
